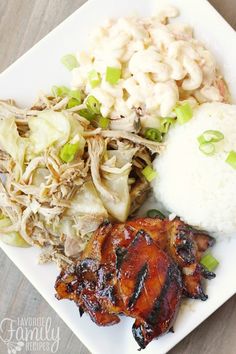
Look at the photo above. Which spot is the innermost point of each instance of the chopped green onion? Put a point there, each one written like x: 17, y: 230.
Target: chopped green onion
x: 75, y: 94
x: 70, y: 61
x: 209, y: 262
x: 231, y: 159
x: 103, y: 122
x: 73, y: 102
x: 94, y: 78
x: 210, y: 136
x: 93, y: 105
x: 92, y: 110
x: 184, y: 113
x: 154, y: 213
x: 86, y: 113
x: 149, y: 173
x: 113, y: 75
x: 60, y: 91
x: 207, y: 148
x: 63, y: 91
x: 153, y: 134
x: 68, y: 152
x: 165, y: 124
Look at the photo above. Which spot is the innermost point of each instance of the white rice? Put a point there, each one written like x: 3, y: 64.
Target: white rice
x: 198, y: 188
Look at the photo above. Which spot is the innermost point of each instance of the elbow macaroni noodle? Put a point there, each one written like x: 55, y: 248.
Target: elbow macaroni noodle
x: 162, y: 65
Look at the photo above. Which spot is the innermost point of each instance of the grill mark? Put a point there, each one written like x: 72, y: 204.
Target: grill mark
x: 155, y: 312
x: 144, y: 234
x: 120, y: 253
x: 141, y: 276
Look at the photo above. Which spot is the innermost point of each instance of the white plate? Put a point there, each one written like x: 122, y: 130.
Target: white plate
x: 40, y: 68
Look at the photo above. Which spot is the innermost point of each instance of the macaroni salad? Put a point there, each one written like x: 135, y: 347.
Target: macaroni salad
x: 159, y: 65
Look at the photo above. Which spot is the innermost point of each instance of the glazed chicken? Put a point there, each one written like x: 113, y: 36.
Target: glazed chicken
x: 141, y: 269
x: 184, y: 244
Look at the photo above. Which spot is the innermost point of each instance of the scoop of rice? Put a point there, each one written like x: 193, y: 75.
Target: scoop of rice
x: 198, y: 188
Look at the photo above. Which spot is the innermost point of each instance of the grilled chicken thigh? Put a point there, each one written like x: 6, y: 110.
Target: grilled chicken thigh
x: 135, y: 269
x: 184, y: 244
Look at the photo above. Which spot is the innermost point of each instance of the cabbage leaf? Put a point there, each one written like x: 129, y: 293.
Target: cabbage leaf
x: 48, y: 128
x: 87, y: 201
x: 12, y: 238
x: 11, y: 142
x: 118, y: 186
x: 115, y: 175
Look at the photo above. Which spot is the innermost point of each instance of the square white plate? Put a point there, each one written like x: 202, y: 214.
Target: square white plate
x: 39, y: 69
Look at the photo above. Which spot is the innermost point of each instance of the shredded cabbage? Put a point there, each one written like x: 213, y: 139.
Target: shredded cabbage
x: 87, y: 201
x: 46, y: 129
x: 58, y: 205
x: 11, y: 142
x: 12, y: 238
x: 115, y: 175
x: 118, y: 186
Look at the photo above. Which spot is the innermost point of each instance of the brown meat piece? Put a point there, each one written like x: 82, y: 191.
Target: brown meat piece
x: 135, y: 269
x: 151, y: 288
x: 139, y: 280
x: 184, y: 245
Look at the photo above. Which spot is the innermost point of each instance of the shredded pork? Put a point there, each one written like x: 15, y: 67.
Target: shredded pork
x: 57, y: 205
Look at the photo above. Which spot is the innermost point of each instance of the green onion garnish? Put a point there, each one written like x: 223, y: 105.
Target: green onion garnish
x: 149, y: 173
x: 94, y: 78
x: 231, y: 159
x: 154, y: 213
x: 75, y: 94
x: 60, y: 91
x: 86, y: 113
x: 103, y: 122
x: 210, y: 136
x: 113, y: 75
x: 68, y: 152
x: 70, y: 61
x: 73, y: 102
x: 153, y: 134
x: 209, y: 262
x: 93, y: 105
x: 165, y: 124
x: 184, y: 113
x: 92, y: 110
x: 207, y: 148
